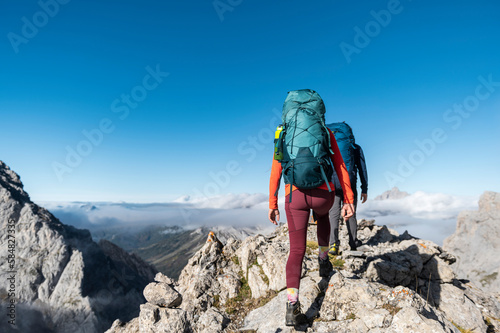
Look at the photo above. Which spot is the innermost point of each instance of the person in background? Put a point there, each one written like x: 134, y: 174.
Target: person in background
x: 352, y: 225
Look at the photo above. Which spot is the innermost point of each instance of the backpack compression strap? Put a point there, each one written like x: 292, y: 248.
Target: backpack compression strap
x: 325, y: 178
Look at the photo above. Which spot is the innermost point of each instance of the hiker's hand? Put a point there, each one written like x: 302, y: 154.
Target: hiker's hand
x: 347, y: 210
x: 274, y: 215
x: 364, y: 197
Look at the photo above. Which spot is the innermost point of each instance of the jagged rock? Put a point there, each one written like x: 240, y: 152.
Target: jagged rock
x: 405, y: 262
x: 411, y: 320
x: 154, y: 319
x: 249, y: 249
x: 130, y: 327
x: 229, y: 285
x: 256, y: 282
x: 397, y: 268
x: 374, y: 318
x: 362, y: 224
x: 382, y: 235
x: 347, y: 326
x: 460, y: 309
x: 64, y: 280
x: 162, y: 294
x: 476, y: 244
x: 448, y: 257
x: 160, y: 277
x: 490, y: 204
x: 212, y: 321
x: 273, y: 262
x: 199, y: 276
x: 489, y: 306
x: 437, y: 269
x: 344, y: 297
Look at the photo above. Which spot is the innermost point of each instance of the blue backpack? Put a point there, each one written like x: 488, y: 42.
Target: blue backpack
x: 302, y: 142
x: 345, y: 141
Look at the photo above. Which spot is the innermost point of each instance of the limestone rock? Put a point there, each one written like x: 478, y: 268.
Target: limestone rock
x: 273, y: 263
x: 476, y: 244
x: 212, y: 321
x: 347, y: 326
x: 229, y: 285
x: 256, y: 282
x: 130, y: 327
x: 161, y: 294
x: 460, y: 309
x: 153, y: 319
x: 249, y: 249
x: 375, y: 318
x: 411, y: 320
x: 64, y: 280
x: 160, y: 277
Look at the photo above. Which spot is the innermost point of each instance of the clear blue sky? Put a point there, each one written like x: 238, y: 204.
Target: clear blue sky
x: 71, y: 70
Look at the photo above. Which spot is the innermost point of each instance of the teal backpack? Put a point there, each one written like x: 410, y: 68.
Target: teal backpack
x: 345, y: 141
x: 302, y: 142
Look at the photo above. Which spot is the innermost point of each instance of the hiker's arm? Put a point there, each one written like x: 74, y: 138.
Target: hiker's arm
x: 274, y: 216
x: 340, y: 168
x: 274, y: 182
x: 363, y: 173
x: 361, y: 164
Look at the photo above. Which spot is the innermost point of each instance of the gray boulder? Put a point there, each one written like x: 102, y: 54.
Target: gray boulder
x: 163, y: 295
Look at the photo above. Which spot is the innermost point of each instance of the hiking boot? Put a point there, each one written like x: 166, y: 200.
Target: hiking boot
x: 357, y: 243
x: 334, y: 249
x: 325, y: 267
x: 294, y: 314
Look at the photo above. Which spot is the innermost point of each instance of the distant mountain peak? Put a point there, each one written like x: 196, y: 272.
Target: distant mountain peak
x: 392, y: 194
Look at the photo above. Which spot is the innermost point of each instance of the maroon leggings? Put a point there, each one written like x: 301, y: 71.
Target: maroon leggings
x: 297, y: 215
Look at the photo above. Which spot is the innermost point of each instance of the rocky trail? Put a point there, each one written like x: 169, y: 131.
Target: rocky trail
x: 394, y: 283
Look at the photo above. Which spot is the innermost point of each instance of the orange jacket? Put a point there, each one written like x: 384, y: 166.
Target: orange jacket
x: 340, y: 168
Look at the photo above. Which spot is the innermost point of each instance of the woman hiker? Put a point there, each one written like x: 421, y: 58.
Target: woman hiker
x: 320, y: 200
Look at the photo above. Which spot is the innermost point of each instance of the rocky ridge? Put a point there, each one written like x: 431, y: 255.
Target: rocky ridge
x: 394, y: 283
x: 476, y: 243
x: 57, y: 277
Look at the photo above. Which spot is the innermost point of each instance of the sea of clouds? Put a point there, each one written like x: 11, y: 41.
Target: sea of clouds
x: 429, y: 216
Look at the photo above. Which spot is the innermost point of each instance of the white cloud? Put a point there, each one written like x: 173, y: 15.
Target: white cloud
x: 429, y: 216
x: 419, y: 205
x: 228, y: 210
x: 425, y: 215
x: 228, y: 201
